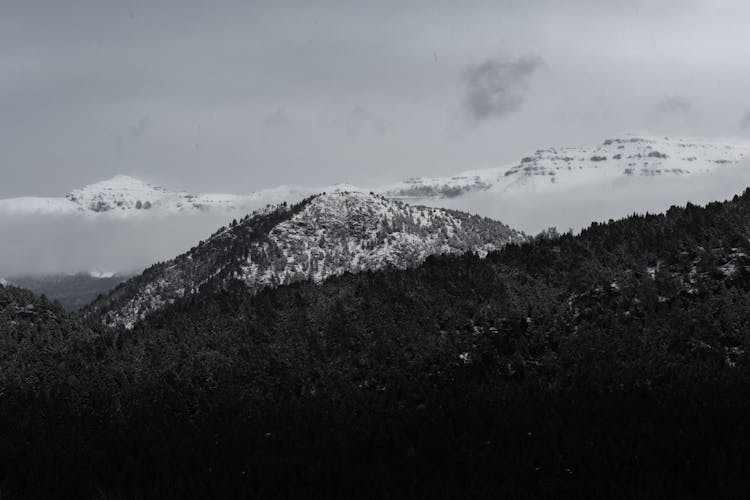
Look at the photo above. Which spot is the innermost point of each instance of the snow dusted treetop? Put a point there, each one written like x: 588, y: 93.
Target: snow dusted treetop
x: 323, y: 236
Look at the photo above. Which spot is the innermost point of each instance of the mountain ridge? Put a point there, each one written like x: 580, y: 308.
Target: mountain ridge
x: 626, y: 156
x: 629, y: 156
x: 322, y: 236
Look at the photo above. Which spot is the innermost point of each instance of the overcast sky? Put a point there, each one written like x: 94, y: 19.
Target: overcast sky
x: 238, y: 96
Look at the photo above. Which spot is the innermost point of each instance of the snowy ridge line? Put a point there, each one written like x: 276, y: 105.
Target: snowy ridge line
x: 126, y: 196
x: 629, y: 156
x: 323, y: 236
x: 551, y: 168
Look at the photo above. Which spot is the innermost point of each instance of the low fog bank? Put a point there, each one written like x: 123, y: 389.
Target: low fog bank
x: 44, y: 244
x: 578, y: 206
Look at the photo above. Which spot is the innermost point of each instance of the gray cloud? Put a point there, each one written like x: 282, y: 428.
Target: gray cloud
x: 77, y: 76
x: 745, y: 122
x: 496, y: 88
x: 278, y: 120
x: 361, y: 121
x: 139, y: 129
x: 673, y: 106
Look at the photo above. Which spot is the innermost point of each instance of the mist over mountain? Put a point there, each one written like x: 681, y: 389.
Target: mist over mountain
x: 126, y: 224
x: 574, y: 186
x: 68, y: 243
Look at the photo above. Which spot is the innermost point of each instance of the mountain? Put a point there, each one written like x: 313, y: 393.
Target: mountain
x: 612, y: 363
x: 628, y: 156
x: 125, y: 224
x: 120, y: 193
x: 545, y: 169
x: 322, y: 236
x: 125, y: 195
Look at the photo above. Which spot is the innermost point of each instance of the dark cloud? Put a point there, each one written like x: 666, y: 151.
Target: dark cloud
x: 673, y: 106
x: 496, y: 88
x: 745, y: 122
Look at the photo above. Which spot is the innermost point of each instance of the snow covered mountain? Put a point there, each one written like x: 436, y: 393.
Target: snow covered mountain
x: 323, y: 236
x: 545, y: 169
x: 124, y: 224
x: 119, y: 193
x: 124, y: 195
x: 552, y: 168
x: 569, y: 188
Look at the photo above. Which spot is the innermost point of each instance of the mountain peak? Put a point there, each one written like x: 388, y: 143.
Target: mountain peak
x: 627, y: 156
x: 324, y: 235
x: 121, y: 192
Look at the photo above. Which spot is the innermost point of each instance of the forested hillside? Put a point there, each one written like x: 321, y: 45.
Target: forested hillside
x: 322, y: 236
x: 609, y: 364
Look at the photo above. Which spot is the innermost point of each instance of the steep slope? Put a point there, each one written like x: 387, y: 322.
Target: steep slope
x: 35, y: 335
x: 322, y: 236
